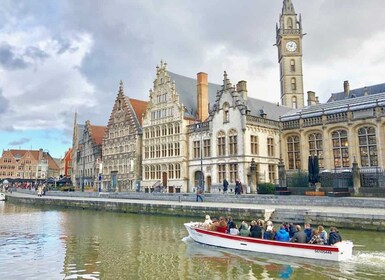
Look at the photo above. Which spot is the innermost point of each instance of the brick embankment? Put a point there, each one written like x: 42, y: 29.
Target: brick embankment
x: 367, y: 213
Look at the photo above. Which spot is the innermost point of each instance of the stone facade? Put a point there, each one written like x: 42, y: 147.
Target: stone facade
x: 28, y: 165
x: 338, y: 133
x: 165, y: 143
x: 89, y: 156
x: 122, y: 145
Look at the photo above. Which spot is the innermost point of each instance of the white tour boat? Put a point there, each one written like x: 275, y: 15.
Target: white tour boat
x: 338, y: 252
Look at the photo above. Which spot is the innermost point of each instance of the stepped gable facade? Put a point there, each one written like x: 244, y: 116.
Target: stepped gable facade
x: 122, y: 145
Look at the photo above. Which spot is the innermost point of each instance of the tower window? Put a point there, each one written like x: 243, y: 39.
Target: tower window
x: 294, y: 102
x: 290, y: 23
x: 293, y: 84
x: 292, y: 65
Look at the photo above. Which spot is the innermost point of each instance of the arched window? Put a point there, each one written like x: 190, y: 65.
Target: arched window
x: 368, y: 146
x: 158, y: 176
x: 233, y: 143
x: 221, y: 143
x: 316, y: 147
x: 294, y: 102
x: 340, y: 148
x: 294, y: 152
x: 177, y: 171
x: 226, y: 113
x: 292, y: 65
x: 293, y: 84
x: 290, y: 23
x: 146, y: 172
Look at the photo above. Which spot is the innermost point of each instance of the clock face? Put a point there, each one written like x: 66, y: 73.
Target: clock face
x: 291, y: 46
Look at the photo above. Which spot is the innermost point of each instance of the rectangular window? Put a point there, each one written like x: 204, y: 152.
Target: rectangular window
x: 206, y: 148
x: 270, y: 147
x: 171, y: 171
x: 272, y: 175
x: 221, y: 172
x: 233, y: 145
x: 233, y: 169
x: 221, y: 146
x: 164, y: 150
x: 254, y: 144
x: 196, y: 149
x: 170, y: 149
x: 177, y: 171
x: 177, y: 149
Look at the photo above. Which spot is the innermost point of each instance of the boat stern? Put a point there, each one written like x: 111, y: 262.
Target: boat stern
x: 345, y: 250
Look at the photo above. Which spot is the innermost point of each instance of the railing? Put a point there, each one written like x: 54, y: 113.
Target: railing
x: 261, y: 121
x: 312, y: 121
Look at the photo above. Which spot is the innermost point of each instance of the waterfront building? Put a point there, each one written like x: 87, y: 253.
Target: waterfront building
x: 89, y: 155
x: 239, y: 132
x: 348, y: 128
x: 28, y: 165
x: 289, y: 43
x: 66, y: 164
x: 75, y: 156
x: 122, y: 145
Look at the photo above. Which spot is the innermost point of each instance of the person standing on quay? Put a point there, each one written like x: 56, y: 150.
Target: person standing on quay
x: 225, y: 185
x: 199, y: 194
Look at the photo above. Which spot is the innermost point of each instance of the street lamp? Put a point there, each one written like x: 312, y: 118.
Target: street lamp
x: 200, y: 126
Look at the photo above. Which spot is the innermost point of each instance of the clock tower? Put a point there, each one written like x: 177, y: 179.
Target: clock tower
x: 289, y: 43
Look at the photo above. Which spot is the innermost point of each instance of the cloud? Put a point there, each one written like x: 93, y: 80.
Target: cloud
x: 4, y: 103
x: 19, y: 142
x: 8, y: 58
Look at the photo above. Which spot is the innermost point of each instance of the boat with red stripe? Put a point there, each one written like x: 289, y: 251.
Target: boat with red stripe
x: 340, y: 251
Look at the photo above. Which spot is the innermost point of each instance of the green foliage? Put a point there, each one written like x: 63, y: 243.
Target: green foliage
x: 67, y: 189
x: 266, y: 188
x: 298, y: 179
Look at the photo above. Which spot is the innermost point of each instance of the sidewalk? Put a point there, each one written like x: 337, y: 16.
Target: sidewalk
x: 276, y: 210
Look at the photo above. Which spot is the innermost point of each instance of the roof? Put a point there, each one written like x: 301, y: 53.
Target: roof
x: 139, y: 107
x: 97, y: 133
x: 186, y: 88
x: 358, y: 103
x: 52, y: 164
x: 358, y: 92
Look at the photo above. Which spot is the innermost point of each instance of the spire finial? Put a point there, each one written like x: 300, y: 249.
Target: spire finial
x: 121, y: 87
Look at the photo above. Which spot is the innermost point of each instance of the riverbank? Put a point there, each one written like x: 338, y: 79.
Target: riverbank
x: 349, y: 212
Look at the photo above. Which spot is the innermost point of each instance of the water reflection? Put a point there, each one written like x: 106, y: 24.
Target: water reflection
x: 76, y: 244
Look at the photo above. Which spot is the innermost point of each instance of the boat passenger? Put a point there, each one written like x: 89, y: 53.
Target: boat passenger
x: 222, y: 225
x: 282, y: 234
x: 323, y: 234
x: 269, y: 233
x: 207, y: 222
x: 230, y: 224
x: 292, y: 230
x: 299, y: 236
x: 244, y: 229
x: 256, y: 229
x: 334, y: 236
x: 316, y: 239
x: 309, y: 231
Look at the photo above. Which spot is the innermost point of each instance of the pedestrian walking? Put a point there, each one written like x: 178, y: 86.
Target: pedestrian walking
x: 225, y: 185
x: 199, y: 194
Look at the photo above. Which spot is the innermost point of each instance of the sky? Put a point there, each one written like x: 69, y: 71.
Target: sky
x: 62, y: 57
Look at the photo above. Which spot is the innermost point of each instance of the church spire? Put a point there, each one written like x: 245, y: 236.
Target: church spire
x: 121, y: 92
x: 288, y: 8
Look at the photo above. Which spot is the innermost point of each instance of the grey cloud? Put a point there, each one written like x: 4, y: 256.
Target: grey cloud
x: 34, y: 53
x: 4, y: 103
x: 19, y: 141
x: 9, y: 60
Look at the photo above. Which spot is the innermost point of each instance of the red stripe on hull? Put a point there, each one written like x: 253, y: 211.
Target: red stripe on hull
x: 269, y: 242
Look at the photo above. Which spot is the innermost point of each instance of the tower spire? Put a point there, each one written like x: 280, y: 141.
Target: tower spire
x: 288, y: 8
x: 121, y: 91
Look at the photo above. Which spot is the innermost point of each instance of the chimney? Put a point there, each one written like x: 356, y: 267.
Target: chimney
x: 311, y: 98
x: 202, y: 96
x: 242, y: 89
x: 366, y: 91
x: 346, y: 88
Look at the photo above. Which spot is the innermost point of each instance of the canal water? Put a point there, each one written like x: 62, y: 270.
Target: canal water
x: 38, y: 243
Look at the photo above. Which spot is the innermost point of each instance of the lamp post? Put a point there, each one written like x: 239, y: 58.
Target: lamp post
x: 83, y: 159
x: 201, y: 156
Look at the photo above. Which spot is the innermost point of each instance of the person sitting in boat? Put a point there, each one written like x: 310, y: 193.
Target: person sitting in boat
x: 282, y: 234
x: 244, y: 229
x: 269, y: 232
x: 230, y: 224
x: 309, y: 231
x: 222, y: 225
x: 323, y: 234
x: 299, y: 236
x: 334, y: 236
x: 316, y: 239
x: 256, y: 229
x: 207, y: 222
x: 292, y: 230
